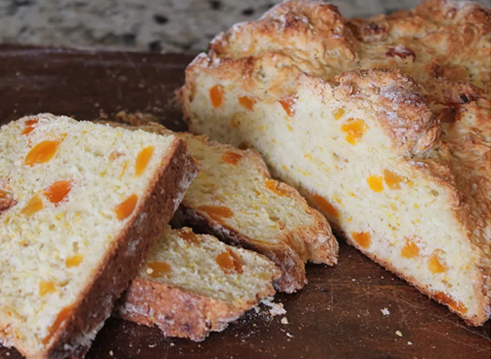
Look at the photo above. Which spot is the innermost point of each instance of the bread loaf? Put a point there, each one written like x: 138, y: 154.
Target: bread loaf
x: 398, y: 164
x: 80, y: 206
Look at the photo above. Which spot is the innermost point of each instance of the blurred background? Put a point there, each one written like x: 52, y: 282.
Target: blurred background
x: 146, y: 25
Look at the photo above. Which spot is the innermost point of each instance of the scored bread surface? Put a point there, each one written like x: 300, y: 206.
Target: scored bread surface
x: 235, y: 198
x: 193, y: 284
x: 80, y: 205
x: 398, y: 164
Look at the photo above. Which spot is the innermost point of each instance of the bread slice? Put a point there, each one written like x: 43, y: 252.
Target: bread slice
x: 80, y: 205
x: 235, y: 199
x: 365, y: 146
x: 193, y: 284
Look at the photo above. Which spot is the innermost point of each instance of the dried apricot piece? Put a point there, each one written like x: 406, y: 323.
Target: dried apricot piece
x: 435, y: 265
x: 74, y: 261
x: 375, y: 183
x: 34, y: 205
x: 217, y: 94
x: 46, y: 287
x: 354, y: 129
x: 288, y: 104
x: 126, y: 208
x: 231, y: 157
x: 58, y: 191
x: 274, y: 186
x: 41, y: 153
x: 189, y: 237
x: 142, y: 160
x: 247, y: 102
x: 410, y: 249
x: 392, y: 179
x: 217, y: 212
x: 451, y: 302
x: 338, y: 113
x: 362, y: 238
x: 325, y: 205
x: 158, y: 269
x: 62, y: 316
x: 229, y: 262
x: 29, y: 126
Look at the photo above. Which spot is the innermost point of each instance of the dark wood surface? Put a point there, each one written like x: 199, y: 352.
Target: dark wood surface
x: 337, y: 315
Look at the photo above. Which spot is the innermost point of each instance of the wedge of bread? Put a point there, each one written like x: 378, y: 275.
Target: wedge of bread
x: 193, y: 284
x: 80, y: 204
x: 235, y: 199
x: 366, y: 146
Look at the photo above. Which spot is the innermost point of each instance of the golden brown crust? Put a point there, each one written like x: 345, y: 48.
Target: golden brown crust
x: 445, y: 46
x: 122, y: 260
x: 180, y: 313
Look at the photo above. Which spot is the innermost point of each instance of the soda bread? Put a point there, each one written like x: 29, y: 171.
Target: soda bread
x: 193, y: 284
x: 80, y: 205
x: 366, y: 146
x: 235, y: 198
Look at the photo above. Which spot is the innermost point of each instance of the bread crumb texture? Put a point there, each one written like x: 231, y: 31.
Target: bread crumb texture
x: 237, y: 198
x: 203, y: 265
x: 383, y: 124
x: 67, y: 190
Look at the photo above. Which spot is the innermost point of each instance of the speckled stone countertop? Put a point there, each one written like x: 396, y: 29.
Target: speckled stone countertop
x: 155, y: 25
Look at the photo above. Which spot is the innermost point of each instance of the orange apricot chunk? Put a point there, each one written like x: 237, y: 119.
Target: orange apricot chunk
x: 375, y: 183
x: 451, y: 302
x: 62, y: 316
x: 362, y: 238
x: 142, y: 160
x: 274, y: 186
x: 325, y: 205
x: 217, y: 94
x: 393, y: 180
x: 354, y: 129
x: 158, y: 269
x: 41, y: 153
x: 30, y: 125
x: 46, y: 287
x: 410, y: 249
x: 338, y: 113
x: 231, y: 157
x: 229, y: 262
x: 288, y: 104
x: 189, y: 237
x: 34, y: 205
x: 435, y: 265
x: 217, y: 212
x: 74, y: 261
x: 247, y: 102
x: 126, y: 208
x: 58, y: 191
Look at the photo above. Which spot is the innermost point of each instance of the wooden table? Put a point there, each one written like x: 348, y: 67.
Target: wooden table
x: 337, y: 315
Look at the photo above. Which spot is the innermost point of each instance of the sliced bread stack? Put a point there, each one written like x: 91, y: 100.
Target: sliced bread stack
x: 235, y: 198
x: 399, y: 166
x: 80, y: 206
x: 193, y: 284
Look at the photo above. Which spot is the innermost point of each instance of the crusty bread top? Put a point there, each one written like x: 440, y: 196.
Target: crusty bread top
x: 436, y: 121
x: 437, y: 40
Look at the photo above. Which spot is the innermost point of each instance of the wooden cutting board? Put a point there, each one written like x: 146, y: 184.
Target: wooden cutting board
x: 337, y: 315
